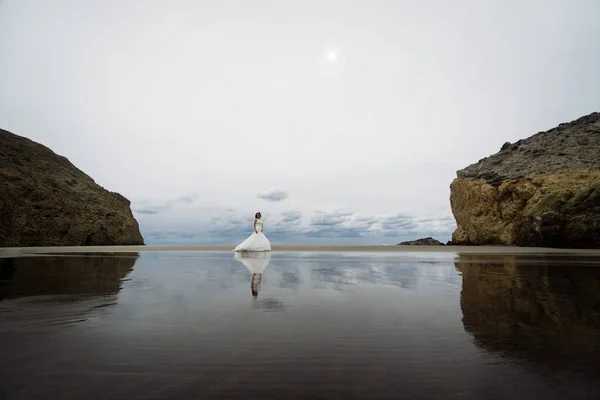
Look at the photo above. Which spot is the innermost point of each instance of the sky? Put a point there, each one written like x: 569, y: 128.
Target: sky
x: 340, y: 121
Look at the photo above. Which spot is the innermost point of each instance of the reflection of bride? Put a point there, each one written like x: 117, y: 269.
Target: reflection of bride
x: 256, y: 264
x: 257, y: 241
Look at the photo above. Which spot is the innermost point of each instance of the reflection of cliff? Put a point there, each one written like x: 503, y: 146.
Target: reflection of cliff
x: 511, y: 305
x: 58, y: 275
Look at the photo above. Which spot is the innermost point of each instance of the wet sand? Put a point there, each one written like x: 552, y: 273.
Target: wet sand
x: 300, y: 325
x: 502, y: 250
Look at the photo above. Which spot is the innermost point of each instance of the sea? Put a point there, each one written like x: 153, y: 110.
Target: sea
x: 342, y: 322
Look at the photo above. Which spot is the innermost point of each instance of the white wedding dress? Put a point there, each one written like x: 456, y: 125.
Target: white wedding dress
x: 256, y: 241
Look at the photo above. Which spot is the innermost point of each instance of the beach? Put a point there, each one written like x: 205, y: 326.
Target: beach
x: 355, y: 322
x: 506, y: 250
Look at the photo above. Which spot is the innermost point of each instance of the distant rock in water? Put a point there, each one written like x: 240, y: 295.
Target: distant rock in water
x: 46, y: 201
x: 540, y: 191
x: 428, y: 241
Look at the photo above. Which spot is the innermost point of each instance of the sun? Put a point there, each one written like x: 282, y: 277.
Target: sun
x: 332, y: 55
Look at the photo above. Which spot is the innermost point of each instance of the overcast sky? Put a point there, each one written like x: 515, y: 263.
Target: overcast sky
x: 341, y: 121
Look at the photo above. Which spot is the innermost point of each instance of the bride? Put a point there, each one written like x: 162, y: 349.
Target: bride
x: 257, y: 241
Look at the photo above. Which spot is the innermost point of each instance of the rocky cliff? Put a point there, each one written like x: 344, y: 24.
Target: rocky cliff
x: 540, y: 191
x: 46, y: 201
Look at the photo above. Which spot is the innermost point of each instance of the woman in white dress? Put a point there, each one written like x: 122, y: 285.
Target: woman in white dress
x: 257, y: 241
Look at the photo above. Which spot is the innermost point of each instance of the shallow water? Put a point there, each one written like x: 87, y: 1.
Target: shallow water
x: 310, y: 325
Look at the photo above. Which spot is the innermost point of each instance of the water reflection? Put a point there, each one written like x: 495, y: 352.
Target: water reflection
x: 523, y: 308
x: 75, y: 275
x: 290, y: 279
x: 365, y: 326
x: 255, y: 263
x: 334, y: 275
x: 45, y: 293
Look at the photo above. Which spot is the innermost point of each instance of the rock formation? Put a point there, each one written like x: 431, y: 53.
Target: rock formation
x: 46, y: 201
x: 540, y: 191
x: 428, y: 241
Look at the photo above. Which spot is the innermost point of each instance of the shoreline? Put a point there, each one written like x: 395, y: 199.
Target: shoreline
x: 506, y: 250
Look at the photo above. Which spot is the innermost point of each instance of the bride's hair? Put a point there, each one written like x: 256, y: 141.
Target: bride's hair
x: 257, y: 215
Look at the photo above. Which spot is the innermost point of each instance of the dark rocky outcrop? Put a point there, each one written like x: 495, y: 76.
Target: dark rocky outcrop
x: 46, y: 201
x: 541, y: 191
x: 428, y: 241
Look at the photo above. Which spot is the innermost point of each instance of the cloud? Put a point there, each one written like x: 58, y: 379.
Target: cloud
x: 149, y: 209
x: 391, y: 234
x: 156, y: 206
x: 285, y: 224
x: 292, y: 226
x: 213, y: 225
x: 230, y: 226
x: 329, y: 219
x: 272, y: 195
x: 436, y: 225
x: 348, y: 224
x: 169, y: 234
x: 293, y: 216
x: 188, y: 198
